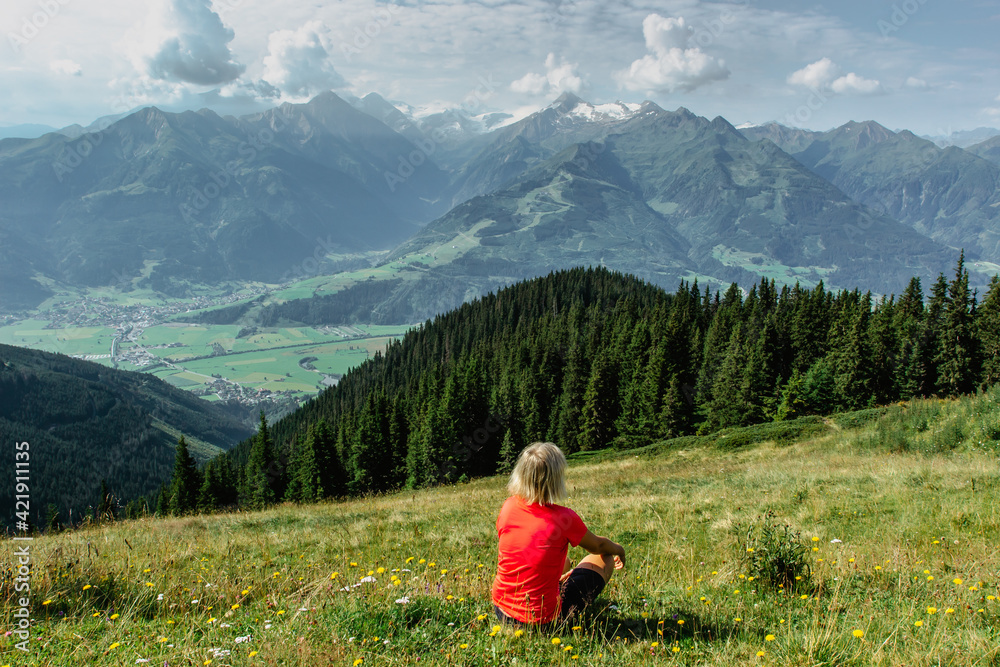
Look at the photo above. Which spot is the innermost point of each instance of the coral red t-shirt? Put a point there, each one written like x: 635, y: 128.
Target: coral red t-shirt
x: 534, y: 541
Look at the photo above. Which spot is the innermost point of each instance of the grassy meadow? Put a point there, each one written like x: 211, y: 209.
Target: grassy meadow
x: 892, y: 558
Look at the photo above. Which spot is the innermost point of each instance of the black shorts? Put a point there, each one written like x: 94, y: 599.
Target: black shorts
x: 580, y: 589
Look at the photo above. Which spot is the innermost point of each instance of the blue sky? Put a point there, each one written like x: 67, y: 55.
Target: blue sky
x: 927, y: 65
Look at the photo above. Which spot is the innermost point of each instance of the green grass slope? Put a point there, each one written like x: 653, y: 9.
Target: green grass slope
x: 890, y: 514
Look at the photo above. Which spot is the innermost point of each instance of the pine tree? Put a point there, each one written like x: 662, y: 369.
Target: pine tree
x: 508, y: 454
x: 792, y: 404
x: 186, y: 481
x: 956, y: 354
x: 676, y: 412
x: 988, y: 325
x: 600, y: 403
x: 819, y: 389
x: 261, y: 468
x: 728, y: 406
x: 208, y: 494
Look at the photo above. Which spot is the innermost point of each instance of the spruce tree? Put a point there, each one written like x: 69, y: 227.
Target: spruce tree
x: 508, y: 454
x: 186, y: 481
x: 261, y: 468
x: 956, y: 354
x: 600, y: 406
x: 988, y: 325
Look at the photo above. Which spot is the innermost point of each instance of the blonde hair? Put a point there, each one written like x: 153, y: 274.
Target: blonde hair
x: 539, y: 475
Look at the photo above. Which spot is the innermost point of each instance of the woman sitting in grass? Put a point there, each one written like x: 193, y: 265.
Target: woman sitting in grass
x: 536, y: 582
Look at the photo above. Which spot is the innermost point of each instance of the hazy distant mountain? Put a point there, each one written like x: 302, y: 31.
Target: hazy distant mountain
x: 964, y: 138
x: 25, y: 131
x: 195, y: 197
x: 988, y: 150
x: 947, y: 194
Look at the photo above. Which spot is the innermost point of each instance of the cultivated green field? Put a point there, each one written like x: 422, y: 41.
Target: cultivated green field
x: 276, y: 367
x: 892, y: 559
x: 75, y: 340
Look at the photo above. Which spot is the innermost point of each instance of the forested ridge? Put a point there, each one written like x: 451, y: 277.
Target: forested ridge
x: 588, y: 358
x: 85, y: 422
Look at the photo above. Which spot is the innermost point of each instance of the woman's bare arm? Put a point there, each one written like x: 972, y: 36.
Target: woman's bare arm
x: 596, y: 544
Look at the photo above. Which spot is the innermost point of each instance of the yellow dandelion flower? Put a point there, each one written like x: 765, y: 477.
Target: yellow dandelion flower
x: 481, y: 617
x: 354, y: 564
x: 680, y: 621
x: 450, y: 597
x: 815, y: 539
x: 737, y: 620
x: 918, y: 623
x: 421, y: 561
x: 47, y: 602
x: 878, y: 567
x: 676, y: 649
x: 769, y: 638
x: 86, y: 587
x: 930, y: 578
x: 496, y: 628
x: 431, y: 564
x: 409, y: 560
x: 577, y: 627
x: 931, y: 610
x: 280, y: 612
x: 991, y: 597
x: 252, y: 653
x: 654, y: 644
x: 114, y: 646
x: 858, y: 633
x: 761, y: 654
x: 518, y: 633
x: 235, y: 606
x: 380, y: 570
x: 749, y: 550
x: 334, y: 575
x: 113, y: 616
x: 956, y: 581
x: 444, y: 571
x: 463, y: 646
x: 163, y: 639
x: 556, y: 641
x: 358, y: 662
x: 949, y: 610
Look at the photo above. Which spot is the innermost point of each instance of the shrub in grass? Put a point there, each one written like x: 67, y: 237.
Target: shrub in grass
x: 774, y: 554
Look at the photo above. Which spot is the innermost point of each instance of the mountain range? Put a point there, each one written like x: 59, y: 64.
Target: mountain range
x: 171, y: 200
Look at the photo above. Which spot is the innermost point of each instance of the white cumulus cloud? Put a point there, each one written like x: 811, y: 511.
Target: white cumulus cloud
x: 184, y: 41
x: 298, y: 62
x: 559, y: 77
x: 918, y: 84
x: 66, y: 67
x: 824, y: 74
x: 851, y: 83
x: 673, y: 64
x: 819, y: 74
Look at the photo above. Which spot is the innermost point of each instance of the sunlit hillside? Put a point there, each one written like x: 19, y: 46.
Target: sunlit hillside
x: 890, y: 558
